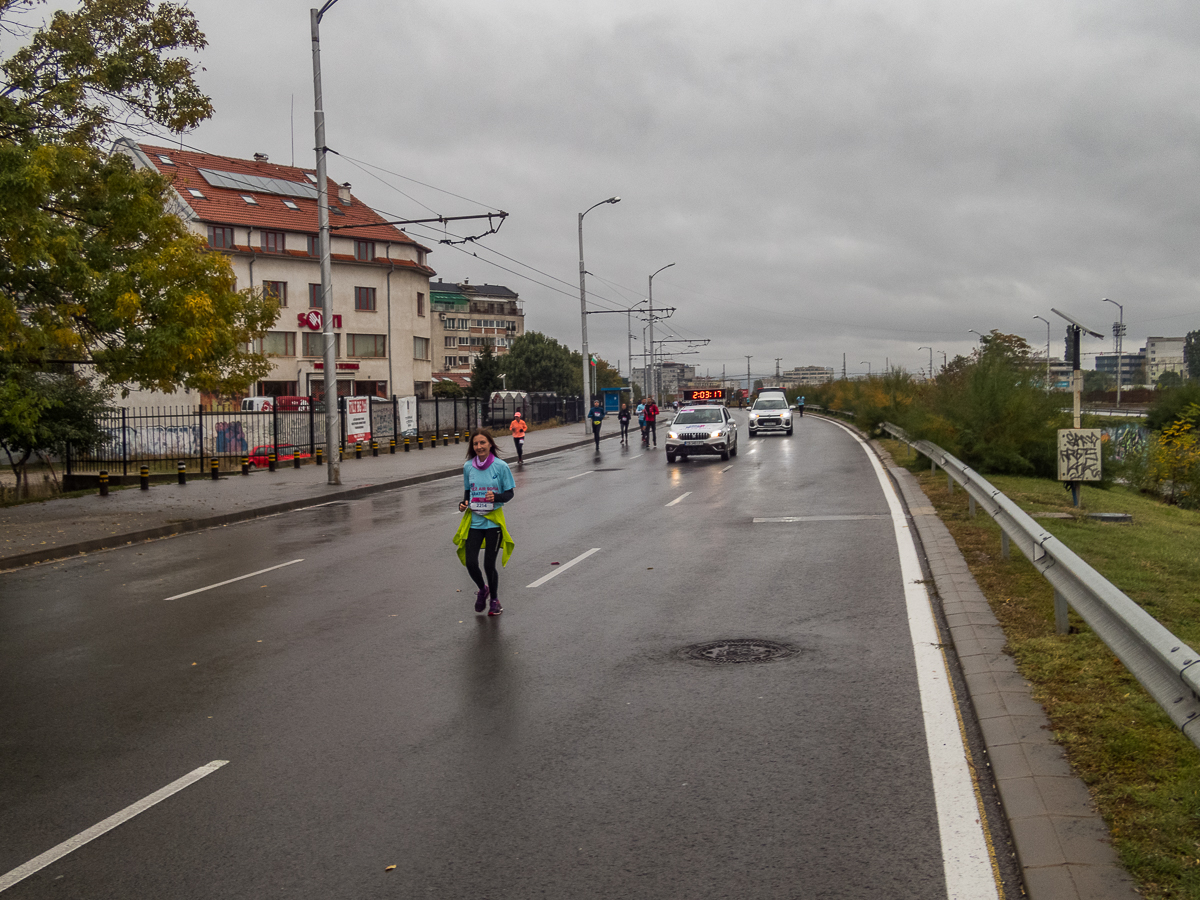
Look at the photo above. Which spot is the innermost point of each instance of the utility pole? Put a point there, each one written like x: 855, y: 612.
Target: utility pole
x: 748, y: 382
x: 583, y: 313
x: 930, y: 349
x: 332, y: 412
x: 843, y: 367
x: 777, y: 360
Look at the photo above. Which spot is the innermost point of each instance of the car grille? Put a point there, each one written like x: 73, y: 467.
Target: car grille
x: 775, y: 423
x: 694, y: 436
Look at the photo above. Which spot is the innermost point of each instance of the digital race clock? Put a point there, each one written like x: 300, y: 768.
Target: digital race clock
x: 702, y: 395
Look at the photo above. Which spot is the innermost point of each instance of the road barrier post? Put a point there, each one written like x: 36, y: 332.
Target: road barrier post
x: 271, y: 460
x: 181, y: 471
x: 358, y: 449
x: 145, y: 478
x: 103, y: 483
x: 406, y: 447
x: 296, y: 458
x: 320, y: 456
x: 245, y: 465
x: 392, y: 447
x: 374, y: 447
x: 215, y: 468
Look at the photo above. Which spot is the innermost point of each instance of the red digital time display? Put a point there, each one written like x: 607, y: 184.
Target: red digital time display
x: 712, y: 394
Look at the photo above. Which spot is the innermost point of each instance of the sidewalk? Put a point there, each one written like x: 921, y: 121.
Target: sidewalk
x: 54, y: 529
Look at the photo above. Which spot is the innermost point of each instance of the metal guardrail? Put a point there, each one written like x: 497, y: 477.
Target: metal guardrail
x: 1166, y: 667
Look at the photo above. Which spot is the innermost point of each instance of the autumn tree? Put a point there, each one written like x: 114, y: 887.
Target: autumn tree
x: 485, y: 373
x: 537, y: 362
x: 93, y: 269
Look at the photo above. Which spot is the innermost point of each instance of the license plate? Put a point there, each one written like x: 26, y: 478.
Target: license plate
x: 695, y: 442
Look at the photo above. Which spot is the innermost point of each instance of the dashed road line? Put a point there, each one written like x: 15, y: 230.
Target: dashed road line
x: 580, y: 475
x: 852, y: 518
x: 232, y: 580
x: 680, y: 497
x: 580, y: 558
x: 56, y: 853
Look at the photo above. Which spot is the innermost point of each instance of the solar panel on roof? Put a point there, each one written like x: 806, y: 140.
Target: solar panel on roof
x: 240, y: 182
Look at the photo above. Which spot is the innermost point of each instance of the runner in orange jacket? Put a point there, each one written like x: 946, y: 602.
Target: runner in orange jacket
x: 517, y: 429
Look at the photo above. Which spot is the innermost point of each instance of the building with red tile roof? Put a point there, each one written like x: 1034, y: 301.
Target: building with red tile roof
x: 264, y: 217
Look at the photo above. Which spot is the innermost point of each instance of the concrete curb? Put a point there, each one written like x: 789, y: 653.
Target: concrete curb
x: 110, y: 542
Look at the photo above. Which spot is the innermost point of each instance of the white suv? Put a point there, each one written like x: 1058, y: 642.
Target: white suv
x: 702, y: 429
x: 770, y: 413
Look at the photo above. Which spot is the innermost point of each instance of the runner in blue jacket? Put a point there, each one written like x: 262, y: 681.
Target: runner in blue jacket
x: 487, y: 485
x: 596, y: 416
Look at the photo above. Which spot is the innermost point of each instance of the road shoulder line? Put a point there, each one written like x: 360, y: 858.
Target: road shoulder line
x: 1062, y: 844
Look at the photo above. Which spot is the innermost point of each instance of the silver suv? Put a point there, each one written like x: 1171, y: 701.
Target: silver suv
x: 702, y: 429
x: 770, y: 413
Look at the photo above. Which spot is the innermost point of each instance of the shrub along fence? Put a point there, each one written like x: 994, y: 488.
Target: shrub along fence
x: 161, y: 438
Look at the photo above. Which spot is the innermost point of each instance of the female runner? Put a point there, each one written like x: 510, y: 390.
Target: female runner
x: 487, y: 485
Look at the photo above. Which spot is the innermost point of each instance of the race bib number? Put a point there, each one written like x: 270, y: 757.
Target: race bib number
x: 480, y: 503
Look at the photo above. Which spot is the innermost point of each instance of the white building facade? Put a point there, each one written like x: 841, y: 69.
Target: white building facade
x: 264, y: 217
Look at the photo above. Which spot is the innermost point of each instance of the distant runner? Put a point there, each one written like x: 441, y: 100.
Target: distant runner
x: 624, y: 417
x: 651, y: 418
x: 517, y: 429
x: 641, y: 414
x: 596, y: 416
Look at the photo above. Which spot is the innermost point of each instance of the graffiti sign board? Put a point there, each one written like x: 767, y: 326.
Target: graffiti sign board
x: 1079, y: 454
x: 358, y: 419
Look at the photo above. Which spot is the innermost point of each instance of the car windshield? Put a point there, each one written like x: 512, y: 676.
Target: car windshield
x: 771, y: 404
x: 699, y: 417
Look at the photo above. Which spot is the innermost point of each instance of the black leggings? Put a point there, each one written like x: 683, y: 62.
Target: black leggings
x: 489, y: 539
x: 651, y: 430
x: 625, y: 432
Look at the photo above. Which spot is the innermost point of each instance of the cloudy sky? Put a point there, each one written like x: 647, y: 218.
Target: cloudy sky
x: 861, y: 177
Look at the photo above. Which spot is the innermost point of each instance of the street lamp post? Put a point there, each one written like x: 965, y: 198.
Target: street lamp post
x: 1119, y: 334
x: 583, y: 307
x: 930, y: 349
x: 653, y: 379
x: 1047, y: 321
x: 332, y: 418
x: 943, y: 352
x: 868, y: 365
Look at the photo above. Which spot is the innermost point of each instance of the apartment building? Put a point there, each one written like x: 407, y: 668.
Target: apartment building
x: 264, y: 217
x: 806, y: 375
x: 1164, y: 354
x: 1131, y: 366
x: 466, y: 317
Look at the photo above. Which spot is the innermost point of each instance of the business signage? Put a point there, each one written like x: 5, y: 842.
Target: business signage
x: 358, y: 419
x: 313, y: 320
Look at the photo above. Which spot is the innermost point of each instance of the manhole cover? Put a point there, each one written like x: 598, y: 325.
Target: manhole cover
x: 738, y: 650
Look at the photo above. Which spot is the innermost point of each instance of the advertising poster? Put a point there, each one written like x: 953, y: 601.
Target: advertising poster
x: 408, y: 416
x: 358, y: 419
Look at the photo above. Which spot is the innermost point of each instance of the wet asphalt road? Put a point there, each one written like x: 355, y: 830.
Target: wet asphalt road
x: 563, y: 750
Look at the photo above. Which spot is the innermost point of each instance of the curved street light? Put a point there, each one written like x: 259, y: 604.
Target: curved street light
x: 651, y: 379
x: 583, y: 308
x: 1120, y: 342
x: 1047, y: 321
x: 867, y: 364
x: 930, y: 349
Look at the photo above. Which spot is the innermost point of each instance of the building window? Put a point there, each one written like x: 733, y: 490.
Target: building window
x: 166, y: 160
x: 278, y: 290
x: 220, y: 238
x: 314, y: 296
x: 464, y: 342
x: 420, y: 304
x: 366, y: 346
x: 464, y: 360
x: 449, y: 361
x: 364, y: 251
x: 272, y: 241
x: 197, y: 194
x: 364, y: 298
x: 420, y: 348
x: 290, y: 205
x: 451, y: 342
x: 314, y: 245
x: 250, y: 200
x: 275, y: 343
x: 314, y: 344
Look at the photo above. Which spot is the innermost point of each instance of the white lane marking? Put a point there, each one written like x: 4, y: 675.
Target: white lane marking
x: 232, y: 580
x: 726, y: 469
x: 329, y: 503
x: 680, y: 497
x: 966, y: 859
x: 580, y: 558
x: 56, y: 853
x: 580, y: 475
x: 817, y: 518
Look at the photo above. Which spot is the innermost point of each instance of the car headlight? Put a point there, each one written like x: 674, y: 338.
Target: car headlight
x: 718, y: 434
x: 754, y: 415
x: 672, y: 436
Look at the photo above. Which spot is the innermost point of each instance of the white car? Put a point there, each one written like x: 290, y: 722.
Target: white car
x: 702, y: 429
x: 770, y: 413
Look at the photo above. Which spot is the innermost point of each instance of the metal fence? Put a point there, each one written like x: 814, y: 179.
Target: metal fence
x: 1167, y: 668
x: 163, y: 437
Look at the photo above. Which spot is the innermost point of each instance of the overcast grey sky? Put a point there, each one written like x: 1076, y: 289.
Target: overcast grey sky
x: 860, y: 177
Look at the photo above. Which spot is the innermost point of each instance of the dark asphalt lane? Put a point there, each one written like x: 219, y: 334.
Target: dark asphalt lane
x: 371, y: 718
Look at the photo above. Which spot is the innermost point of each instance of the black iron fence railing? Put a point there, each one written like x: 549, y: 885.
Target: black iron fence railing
x: 161, y: 438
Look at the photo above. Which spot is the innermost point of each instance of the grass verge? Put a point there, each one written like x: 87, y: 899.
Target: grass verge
x: 1142, y: 772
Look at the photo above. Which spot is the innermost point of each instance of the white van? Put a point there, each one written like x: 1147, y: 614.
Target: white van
x: 258, y: 404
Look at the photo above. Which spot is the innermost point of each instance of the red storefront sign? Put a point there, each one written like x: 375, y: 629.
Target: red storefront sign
x: 313, y: 320
x: 341, y: 366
